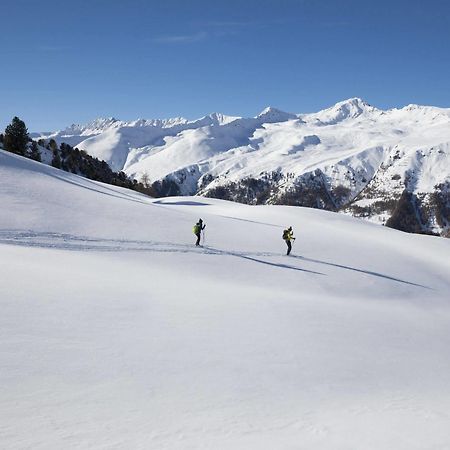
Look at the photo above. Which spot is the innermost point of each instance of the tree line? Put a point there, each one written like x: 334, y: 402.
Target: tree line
x: 16, y: 140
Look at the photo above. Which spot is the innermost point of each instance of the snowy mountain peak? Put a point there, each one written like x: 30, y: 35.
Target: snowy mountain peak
x: 94, y: 127
x: 347, y: 109
x: 272, y: 115
x: 221, y: 119
x: 215, y: 118
x: 421, y: 112
x: 353, y: 106
x: 355, y: 102
x: 158, y: 123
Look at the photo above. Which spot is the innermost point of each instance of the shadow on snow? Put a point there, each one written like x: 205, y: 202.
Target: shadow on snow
x: 180, y: 203
x: 62, y: 241
x: 367, y: 272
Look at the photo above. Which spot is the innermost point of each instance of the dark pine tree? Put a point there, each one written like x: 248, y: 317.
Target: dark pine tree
x: 16, y: 137
x: 52, y: 145
x: 56, y: 161
x: 34, y: 152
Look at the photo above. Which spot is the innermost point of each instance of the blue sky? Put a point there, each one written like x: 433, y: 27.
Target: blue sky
x: 65, y: 62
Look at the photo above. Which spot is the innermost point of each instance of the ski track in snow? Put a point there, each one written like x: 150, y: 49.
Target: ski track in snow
x: 63, y: 241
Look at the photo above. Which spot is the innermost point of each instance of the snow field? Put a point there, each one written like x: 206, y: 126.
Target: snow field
x: 116, y: 332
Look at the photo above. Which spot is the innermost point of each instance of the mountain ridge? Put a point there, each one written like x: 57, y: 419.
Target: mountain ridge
x: 351, y: 157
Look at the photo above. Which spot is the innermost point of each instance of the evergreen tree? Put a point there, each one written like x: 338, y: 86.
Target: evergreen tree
x: 16, y: 137
x: 35, y: 153
x: 52, y: 145
x: 56, y: 161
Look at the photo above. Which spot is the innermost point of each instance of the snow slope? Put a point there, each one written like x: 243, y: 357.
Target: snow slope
x: 116, y: 332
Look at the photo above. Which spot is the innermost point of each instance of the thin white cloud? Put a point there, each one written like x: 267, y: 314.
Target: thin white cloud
x: 240, y: 24
x: 216, y: 28
x: 181, y: 38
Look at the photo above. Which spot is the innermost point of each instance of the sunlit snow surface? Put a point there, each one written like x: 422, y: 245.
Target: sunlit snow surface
x: 117, y: 333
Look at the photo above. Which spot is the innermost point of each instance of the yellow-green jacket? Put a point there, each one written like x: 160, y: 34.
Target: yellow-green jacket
x: 288, y: 235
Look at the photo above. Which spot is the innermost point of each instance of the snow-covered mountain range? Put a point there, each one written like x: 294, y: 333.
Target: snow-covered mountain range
x: 351, y: 157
